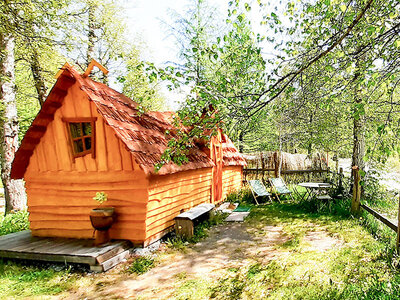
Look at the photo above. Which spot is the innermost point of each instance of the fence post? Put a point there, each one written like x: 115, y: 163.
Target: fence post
x: 355, y: 203
x: 398, y: 229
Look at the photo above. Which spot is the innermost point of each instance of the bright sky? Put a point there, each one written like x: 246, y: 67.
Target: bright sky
x: 146, y: 21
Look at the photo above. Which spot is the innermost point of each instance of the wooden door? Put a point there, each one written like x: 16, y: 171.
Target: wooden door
x: 216, y: 156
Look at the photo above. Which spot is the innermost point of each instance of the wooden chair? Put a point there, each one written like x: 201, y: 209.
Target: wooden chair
x: 279, y: 188
x: 258, y: 189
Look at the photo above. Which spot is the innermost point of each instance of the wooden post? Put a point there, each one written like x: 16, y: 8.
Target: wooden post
x: 398, y: 229
x: 276, y: 164
x: 327, y: 159
x: 355, y: 203
x: 340, y: 187
x: 262, y: 165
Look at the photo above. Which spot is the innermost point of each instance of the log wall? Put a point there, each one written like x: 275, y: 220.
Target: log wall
x: 169, y: 195
x: 232, y: 177
x: 60, y: 188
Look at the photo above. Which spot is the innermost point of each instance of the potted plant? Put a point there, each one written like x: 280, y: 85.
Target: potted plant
x: 102, y: 218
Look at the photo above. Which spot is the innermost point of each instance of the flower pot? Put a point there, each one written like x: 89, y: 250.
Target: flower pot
x: 102, y: 219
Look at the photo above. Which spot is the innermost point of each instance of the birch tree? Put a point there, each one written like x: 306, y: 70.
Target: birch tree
x: 14, y: 190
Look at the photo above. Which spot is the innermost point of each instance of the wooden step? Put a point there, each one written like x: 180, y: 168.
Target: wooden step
x: 112, y: 262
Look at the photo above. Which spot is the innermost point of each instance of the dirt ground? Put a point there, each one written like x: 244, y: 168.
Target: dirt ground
x: 227, y: 246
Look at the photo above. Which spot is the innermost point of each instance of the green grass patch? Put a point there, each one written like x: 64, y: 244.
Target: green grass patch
x: 22, y: 280
x: 141, y: 265
x: 14, y: 222
x: 359, y: 266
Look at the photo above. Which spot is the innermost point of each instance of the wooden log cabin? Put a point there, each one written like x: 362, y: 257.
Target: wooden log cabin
x: 89, y: 138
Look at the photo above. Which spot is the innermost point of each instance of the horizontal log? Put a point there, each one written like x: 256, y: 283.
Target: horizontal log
x: 101, y: 186
x: 171, y: 213
x: 156, y: 203
x: 172, y: 178
x: 46, y: 199
x: 63, y: 177
x: 121, y: 217
x: 133, y: 208
x: 84, y: 225
x: 133, y: 235
x: 77, y: 234
x: 162, y: 194
x: 380, y: 217
x: 160, y: 228
x: 180, y: 181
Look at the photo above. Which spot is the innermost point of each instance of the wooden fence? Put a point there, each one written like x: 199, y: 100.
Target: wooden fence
x: 356, y: 207
x: 290, y: 176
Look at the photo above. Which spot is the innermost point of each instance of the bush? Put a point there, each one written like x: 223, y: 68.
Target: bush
x: 243, y: 196
x: 14, y: 222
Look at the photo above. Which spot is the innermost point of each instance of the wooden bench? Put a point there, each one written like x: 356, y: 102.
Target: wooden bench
x: 185, y: 222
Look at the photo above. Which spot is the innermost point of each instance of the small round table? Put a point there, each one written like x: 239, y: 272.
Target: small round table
x: 313, y: 188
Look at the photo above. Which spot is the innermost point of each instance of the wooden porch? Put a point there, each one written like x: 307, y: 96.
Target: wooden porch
x: 22, y: 245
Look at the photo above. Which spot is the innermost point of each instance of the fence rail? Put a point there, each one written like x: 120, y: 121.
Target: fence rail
x: 380, y: 217
x: 356, y: 207
x: 290, y: 176
x: 249, y: 170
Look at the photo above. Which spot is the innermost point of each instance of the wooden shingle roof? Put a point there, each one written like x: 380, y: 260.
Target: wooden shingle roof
x: 143, y: 134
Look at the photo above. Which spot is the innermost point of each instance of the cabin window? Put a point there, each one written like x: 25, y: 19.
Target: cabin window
x: 82, y: 136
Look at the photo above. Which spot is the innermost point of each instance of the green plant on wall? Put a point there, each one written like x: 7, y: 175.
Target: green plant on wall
x: 100, y: 197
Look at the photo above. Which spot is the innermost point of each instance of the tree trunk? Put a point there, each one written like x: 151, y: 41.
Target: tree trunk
x: 14, y: 190
x: 241, y: 142
x: 91, y: 33
x: 358, y: 142
x: 37, y: 77
x: 358, y: 127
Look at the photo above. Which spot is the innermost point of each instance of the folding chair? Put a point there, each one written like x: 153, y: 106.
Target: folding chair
x: 279, y: 188
x: 258, y: 189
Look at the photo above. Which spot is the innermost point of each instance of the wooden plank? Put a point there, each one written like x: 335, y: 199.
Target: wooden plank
x: 196, y: 211
x: 61, y: 142
x: 113, y: 153
x: 123, y: 246
x: 96, y: 268
x: 184, y: 228
x: 101, y: 145
x: 23, y: 246
x: 125, y: 156
x: 49, y: 148
x: 48, y: 257
x: 21, y: 235
x: 38, y: 244
x: 380, y: 217
x: 112, y: 262
x: 13, y: 243
x: 41, y: 158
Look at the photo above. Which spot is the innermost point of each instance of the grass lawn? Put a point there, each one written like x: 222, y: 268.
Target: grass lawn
x: 315, y: 256
x: 356, y: 266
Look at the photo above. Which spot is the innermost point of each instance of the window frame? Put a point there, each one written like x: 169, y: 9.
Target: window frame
x: 92, y: 136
